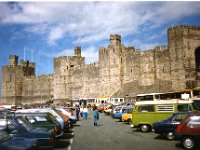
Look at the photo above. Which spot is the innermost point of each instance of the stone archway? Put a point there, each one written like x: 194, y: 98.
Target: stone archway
x: 197, y: 59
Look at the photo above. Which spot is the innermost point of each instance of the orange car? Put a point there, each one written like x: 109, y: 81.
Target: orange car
x: 127, y: 117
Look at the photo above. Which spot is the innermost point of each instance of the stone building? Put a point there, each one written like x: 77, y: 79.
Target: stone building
x: 120, y: 71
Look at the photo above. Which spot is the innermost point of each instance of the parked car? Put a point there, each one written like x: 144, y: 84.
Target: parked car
x: 118, y: 114
x: 44, y: 120
x: 127, y: 117
x: 68, y: 114
x: 108, y: 109
x: 20, y: 127
x: 8, y: 142
x: 168, y: 126
x: 59, y: 117
x: 100, y: 108
x: 188, y: 131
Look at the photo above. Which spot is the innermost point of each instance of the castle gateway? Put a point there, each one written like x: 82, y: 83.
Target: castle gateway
x: 121, y: 71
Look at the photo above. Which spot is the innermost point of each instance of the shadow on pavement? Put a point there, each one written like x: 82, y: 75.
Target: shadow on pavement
x: 63, y: 143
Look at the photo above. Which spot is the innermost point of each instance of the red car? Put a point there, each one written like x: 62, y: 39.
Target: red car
x: 188, y: 131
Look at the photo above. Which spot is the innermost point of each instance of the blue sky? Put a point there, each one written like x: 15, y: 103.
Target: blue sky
x: 49, y: 29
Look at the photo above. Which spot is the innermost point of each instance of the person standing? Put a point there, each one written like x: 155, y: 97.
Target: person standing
x: 85, y: 112
x: 95, y: 115
x: 81, y: 112
x: 77, y: 113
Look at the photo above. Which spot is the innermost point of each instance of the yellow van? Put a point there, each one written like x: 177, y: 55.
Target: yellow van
x: 145, y: 113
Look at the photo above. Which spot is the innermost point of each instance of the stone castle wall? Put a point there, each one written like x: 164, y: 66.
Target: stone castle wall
x: 120, y: 71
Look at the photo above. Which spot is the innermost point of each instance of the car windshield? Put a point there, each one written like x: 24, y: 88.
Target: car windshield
x: 27, y: 125
x: 196, y: 104
x: 4, y: 136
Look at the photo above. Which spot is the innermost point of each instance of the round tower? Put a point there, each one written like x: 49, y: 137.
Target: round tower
x: 13, y: 59
x: 77, y: 51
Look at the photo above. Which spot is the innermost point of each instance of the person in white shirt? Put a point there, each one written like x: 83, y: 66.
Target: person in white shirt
x: 85, y: 112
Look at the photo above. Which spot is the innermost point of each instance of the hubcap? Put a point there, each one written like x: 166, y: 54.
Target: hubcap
x: 188, y: 143
x: 170, y: 136
x: 144, y: 128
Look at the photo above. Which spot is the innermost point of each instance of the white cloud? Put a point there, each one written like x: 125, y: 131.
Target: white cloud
x: 93, y: 21
x: 90, y: 54
x: 138, y: 44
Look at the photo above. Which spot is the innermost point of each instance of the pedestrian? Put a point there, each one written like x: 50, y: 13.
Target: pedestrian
x: 85, y: 112
x: 95, y: 115
x: 77, y: 113
x: 81, y: 112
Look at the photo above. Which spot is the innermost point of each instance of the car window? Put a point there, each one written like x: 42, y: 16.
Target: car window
x: 184, y: 107
x: 27, y: 125
x: 196, y: 104
x: 2, y: 123
x: 149, y: 108
x: 4, y: 136
x: 40, y: 118
x: 179, y: 117
x: 194, y: 122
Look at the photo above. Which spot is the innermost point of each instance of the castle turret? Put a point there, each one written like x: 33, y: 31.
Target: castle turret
x: 13, y: 60
x: 115, y: 39
x: 24, y: 63
x: 77, y: 51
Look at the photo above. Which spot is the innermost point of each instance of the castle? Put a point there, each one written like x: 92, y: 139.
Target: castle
x: 120, y: 71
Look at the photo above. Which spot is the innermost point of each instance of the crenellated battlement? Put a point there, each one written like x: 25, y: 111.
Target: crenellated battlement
x: 183, y: 27
x: 13, y: 60
x: 115, y: 39
x: 31, y: 64
x: 161, y: 47
x: 77, y: 51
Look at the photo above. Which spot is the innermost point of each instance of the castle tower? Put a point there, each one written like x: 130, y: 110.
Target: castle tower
x: 115, y: 39
x: 184, y: 47
x: 13, y: 59
x: 77, y: 51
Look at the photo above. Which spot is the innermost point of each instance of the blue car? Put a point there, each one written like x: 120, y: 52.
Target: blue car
x: 118, y: 114
x: 168, y: 126
x: 20, y: 127
x: 8, y: 142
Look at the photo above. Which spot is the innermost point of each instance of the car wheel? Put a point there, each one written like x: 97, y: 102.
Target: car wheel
x: 129, y: 121
x: 170, y: 135
x: 144, y: 128
x: 188, y: 143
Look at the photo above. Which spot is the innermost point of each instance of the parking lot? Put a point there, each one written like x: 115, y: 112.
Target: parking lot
x: 112, y: 134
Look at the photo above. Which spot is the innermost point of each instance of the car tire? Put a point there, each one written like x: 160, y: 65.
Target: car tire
x: 129, y: 121
x: 170, y: 136
x: 145, y: 127
x: 188, y: 143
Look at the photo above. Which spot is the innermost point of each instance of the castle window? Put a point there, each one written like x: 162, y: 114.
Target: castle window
x: 197, y: 59
x: 71, y: 65
x: 131, y: 70
x: 67, y: 67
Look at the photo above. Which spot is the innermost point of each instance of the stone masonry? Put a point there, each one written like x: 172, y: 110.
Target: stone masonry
x: 120, y: 71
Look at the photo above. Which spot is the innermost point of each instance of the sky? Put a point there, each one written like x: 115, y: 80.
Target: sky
x: 45, y: 30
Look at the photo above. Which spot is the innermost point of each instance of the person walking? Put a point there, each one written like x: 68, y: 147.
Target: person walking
x: 95, y: 115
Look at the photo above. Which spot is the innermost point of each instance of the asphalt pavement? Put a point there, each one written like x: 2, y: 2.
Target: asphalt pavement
x: 110, y: 134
